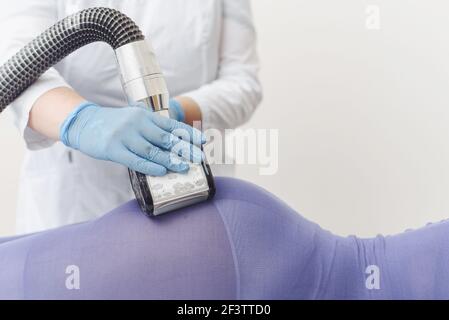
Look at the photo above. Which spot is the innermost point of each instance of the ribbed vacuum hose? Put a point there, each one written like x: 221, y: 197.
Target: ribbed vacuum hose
x: 66, y: 36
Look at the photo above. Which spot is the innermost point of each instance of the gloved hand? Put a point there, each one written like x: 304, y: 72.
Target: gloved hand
x: 133, y: 136
x: 176, y: 111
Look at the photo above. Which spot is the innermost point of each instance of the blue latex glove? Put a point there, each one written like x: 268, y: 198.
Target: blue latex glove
x: 176, y: 111
x: 133, y: 136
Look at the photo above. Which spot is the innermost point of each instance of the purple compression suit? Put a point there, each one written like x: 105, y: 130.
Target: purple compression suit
x: 245, y: 244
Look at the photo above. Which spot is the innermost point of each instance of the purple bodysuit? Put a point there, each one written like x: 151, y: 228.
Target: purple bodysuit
x: 244, y: 244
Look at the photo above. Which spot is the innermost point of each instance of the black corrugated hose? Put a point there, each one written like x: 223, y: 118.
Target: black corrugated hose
x: 57, y: 42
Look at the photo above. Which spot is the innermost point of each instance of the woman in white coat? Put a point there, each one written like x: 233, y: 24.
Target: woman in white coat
x: 207, y: 52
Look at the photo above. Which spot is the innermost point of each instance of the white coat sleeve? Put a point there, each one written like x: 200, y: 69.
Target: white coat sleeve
x: 20, y: 22
x: 231, y: 99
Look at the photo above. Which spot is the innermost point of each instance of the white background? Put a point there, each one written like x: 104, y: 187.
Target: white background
x: 363, y: 114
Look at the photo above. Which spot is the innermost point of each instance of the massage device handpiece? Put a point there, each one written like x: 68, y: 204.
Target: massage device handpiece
x: 143, y: 81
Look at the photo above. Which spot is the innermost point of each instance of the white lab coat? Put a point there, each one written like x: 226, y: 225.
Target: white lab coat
x: 206, y: 49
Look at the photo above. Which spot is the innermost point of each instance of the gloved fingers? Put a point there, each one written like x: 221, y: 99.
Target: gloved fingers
x: 188, y: 151
x: 148, y: 151
x: 158, y: 137
x: 139, y: 164
x: 171, y: 142
x: 180, y: 129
